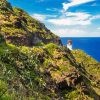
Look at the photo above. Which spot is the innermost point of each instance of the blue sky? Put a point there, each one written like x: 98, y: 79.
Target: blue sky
x: 66, y: 18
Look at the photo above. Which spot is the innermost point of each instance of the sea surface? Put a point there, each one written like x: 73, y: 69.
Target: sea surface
x: 89, y: 45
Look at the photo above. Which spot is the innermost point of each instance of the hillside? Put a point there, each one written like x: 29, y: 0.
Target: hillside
x: 46, y: 71
x: 21, y: 29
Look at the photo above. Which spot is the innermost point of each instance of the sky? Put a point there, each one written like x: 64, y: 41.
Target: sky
x: 66, y: 18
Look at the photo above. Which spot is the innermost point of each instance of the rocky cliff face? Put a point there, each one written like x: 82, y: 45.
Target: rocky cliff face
x: 21, y: 29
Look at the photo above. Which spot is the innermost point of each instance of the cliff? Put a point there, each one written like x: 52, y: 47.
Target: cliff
x: 47, y: 72
x: 21, y: 29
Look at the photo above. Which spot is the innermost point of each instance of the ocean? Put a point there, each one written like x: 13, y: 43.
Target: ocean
x: 90, y: 45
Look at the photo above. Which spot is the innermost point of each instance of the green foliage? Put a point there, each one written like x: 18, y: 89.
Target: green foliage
x: 3, y: 88
x: 51, y: 47
x: 13, y: 31
x: 5, y: 7
x: 1, y: 39
x: 4, y: 95
x: 18, y: 24
x: 44, y: 72
x: 40, y: 44
x: 19, y: 67
x: 24, y: 68
x: 72, y: 95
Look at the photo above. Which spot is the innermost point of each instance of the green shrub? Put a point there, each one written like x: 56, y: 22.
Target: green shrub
x: 51, y: 47
x: 1, y: 39
x: 40, y: 44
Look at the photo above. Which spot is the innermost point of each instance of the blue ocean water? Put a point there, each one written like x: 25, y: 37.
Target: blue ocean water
x: 89, y: 45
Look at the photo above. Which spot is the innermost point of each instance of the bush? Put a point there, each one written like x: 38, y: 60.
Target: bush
x: 50, y: 47
x: 40, y: 44
x: 1, y: 39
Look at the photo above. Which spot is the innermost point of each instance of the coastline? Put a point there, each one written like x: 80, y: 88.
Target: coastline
x: 87, y: 44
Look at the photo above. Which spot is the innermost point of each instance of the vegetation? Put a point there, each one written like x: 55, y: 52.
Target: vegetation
x: 45, y: 71
x: 32, y: 73
x: 21, y: 29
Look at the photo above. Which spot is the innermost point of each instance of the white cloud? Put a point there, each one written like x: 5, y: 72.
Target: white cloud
x: 72, y: 3
x: 69, y: 32
x: 70, y: 18
x: 76, y: 18
x: 42, y: 17
x: 68, y: 21
x: 75, y: 32
x: 78, y: 15
x: 52, y: 9
x: 95, y: 17
x: 70, y: 24
x: 39, y: 17
x: 98, y: 28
